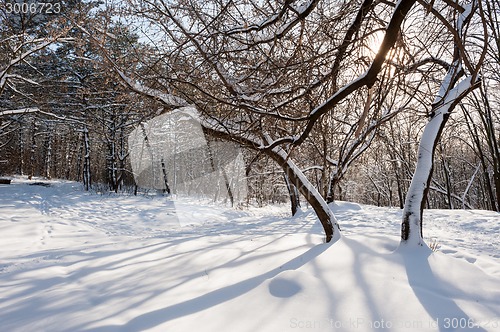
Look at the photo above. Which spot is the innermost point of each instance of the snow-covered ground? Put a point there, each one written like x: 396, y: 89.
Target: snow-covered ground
x: 74, y: 261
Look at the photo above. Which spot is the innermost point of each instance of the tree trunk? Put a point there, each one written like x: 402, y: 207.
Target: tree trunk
x: 48, y: 149
x: 165, y: 179
x: 87, y: 180
x: 411, y: 229
x: 297, y: 178
x: 32, y: 150
x: 21, y: 151
x: 446, y: 173
x: 121, y: 158
x: 400, y: 189
x: 448, y: 97
x: 293, y: 194
x: 313, y: 197
x: 334, y: 180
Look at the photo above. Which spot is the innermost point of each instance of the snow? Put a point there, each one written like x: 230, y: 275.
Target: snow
x: 77, y: 261
x: 302, y: 7
x: 304, y: 181
x: 442, y: 107
x: 19, y: 111
x: 464, y: 17
x: 167, y: 99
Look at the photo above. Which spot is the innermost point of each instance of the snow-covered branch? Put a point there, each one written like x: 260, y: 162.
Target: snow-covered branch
x: 366, y: 79
x: 39, y: 44
x: 452, y: 90
x: 301, y: 11
x: 19, y: 111
x: 166, y: 98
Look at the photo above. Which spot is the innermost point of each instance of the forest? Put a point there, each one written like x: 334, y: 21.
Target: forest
x: 393, y: 104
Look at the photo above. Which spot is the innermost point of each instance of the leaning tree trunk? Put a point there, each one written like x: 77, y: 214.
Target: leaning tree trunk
x: 310, y: 193
x: 294, y: 174
x: 449, y: 95
x: 451, y: 92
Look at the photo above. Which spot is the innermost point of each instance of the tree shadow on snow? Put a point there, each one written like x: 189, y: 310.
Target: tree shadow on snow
x: 78, y: 282
x: 433, y: 292
x: 154, y: 318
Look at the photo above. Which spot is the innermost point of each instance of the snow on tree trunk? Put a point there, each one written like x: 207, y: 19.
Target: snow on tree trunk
x: 294, y: 174
x: 450, y: 93
x: 447, y: 98
x: 310, y: 193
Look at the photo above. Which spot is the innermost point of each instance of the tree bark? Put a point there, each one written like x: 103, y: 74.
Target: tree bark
x: 446, y: 100
x: 297, y: 178
x: 451, y: 92
x: 334, y: 180
x: 313, y: 197
x: 165, y: 179
x: 87, y: 179
x: 293, y: 194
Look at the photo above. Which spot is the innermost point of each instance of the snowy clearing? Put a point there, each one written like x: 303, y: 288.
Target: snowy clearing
x: 74, y: 261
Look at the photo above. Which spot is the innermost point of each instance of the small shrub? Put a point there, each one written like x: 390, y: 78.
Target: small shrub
x: 434, y: 244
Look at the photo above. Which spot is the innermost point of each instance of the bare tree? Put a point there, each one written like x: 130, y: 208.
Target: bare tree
x: 461, y: 78
x: 267, y: 74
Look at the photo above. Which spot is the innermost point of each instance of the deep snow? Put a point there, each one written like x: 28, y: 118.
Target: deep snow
x: 74, y: 261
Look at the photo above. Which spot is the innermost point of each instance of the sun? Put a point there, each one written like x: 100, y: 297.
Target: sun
x: 373, y: 42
